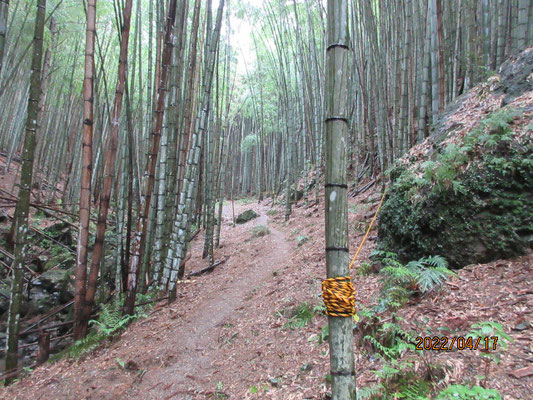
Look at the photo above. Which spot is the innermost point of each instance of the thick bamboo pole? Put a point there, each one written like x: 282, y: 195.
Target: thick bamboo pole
x: 86, y: 172
x: 336, y: 92
x: 149, y: 173
x: 4, y: 7
x: 23, y: 203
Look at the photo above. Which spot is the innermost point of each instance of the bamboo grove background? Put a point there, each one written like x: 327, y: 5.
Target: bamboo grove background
x: 147, y: 115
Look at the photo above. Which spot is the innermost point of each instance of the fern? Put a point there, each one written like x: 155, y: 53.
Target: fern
x: 79, y: 347
x: 377, y: 345
x: 304, y: 314
x: 110, y: 321
x: 436, y: 261
x: 415, y: 391
x: 461, y: 392
x: 369, y: 392
x: 430, y: 272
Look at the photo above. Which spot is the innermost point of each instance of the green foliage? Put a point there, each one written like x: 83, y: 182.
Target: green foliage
x: 219, y: 391
x: 319, y: 309
x: 141, y: 311
x: 398, y: 376
x: 369, y: 392
x: 303, y: 315
x: 429, y: 272
x: 260, y: 230
x: 402, y: 281
x: 380, y: 327
x: 110, y: 322
x: 246, y: 200
x: 80, y: 347
x: 497, y: 338
x: 272, y: 213
x: 121, y: 363
x: 324, y: 334
x: 249, y: 143
x: 302, y: 239
x: 364, y: 269
x: 390, y: 339
x: 52, y: 248
x: 471, y: 202
x: 461, y: 392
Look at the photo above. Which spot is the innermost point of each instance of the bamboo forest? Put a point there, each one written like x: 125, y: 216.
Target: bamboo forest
x: 266, y: 199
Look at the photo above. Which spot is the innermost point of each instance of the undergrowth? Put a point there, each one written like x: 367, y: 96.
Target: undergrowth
x: 303, y: 315
x: 470, y: 202
x: 110, y: 322
x: 260, y: 230
x: 403, y: 281
x: 405, y: 372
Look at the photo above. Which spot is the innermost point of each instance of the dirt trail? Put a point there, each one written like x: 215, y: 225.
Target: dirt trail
x: 180, y: 351
x: 227, y: 336
x: 196, y: 344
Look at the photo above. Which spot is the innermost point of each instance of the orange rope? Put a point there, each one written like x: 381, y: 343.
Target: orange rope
x: 339, y: 296
x: 339, y: 293
x: 367, y: 232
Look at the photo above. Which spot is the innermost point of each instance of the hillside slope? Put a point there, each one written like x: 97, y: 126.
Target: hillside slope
x: 465, y: 193
x: 254, y: 328
x: 255, y: 347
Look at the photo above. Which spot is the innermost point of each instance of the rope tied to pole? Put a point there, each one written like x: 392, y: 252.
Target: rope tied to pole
x: 339, y: 296
x: 338, y: 293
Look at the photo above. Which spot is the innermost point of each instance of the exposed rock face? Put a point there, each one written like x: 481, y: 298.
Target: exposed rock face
x: 466, y: 192
x: 246, y: 216
x: 516, y: 76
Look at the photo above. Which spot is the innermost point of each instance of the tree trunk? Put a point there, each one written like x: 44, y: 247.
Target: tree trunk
x: 23, y: 203
x: 80, y: 328
x: 521, y: 29
x: 4, y: 8
x: 435, y: 75
x: 149, y: 176
x: 187, y: 199
x: 109, y: 163
x: 336, y: 91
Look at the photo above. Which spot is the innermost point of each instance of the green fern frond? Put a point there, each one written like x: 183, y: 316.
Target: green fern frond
x: 461, y: 392
x: 379, y: 347
x: 369, y: 392
x: 435, y: 261
x: 79, y: 347
x: 416, y: 391
x: 429, y: 272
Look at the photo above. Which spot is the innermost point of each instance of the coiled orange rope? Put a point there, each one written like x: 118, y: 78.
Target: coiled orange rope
x: 339, y: 293
x: 339, y: 296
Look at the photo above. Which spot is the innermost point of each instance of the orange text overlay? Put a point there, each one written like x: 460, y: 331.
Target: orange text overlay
x: 443, y: 343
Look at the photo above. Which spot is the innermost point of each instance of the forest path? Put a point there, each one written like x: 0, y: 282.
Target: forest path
x: 196, y: 346
x: 220, y: 336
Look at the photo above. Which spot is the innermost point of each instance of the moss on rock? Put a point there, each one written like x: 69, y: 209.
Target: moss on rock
x: 246, y: 216
x: 472, y: 204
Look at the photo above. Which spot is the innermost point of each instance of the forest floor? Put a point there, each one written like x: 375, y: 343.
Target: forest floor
x: 234, y: 333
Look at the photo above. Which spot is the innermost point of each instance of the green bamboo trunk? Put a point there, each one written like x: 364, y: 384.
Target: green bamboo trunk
x: 23, y: 203
x: 337, y: 256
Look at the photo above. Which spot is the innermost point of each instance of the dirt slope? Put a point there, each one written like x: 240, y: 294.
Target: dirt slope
x: 226, y: 336
x: 176, y: 349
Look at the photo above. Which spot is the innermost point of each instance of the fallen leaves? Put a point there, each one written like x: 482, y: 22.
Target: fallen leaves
x: 522, y: 372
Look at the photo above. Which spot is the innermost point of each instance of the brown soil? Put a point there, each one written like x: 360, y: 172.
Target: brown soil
x: 226, y: 336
